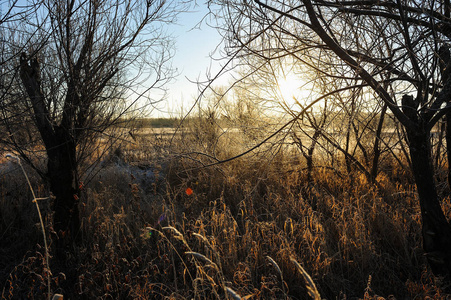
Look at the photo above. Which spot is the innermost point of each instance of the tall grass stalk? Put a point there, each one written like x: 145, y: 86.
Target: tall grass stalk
x: 233, y: 294
x: 203, y: 258
x: 180, y: 237
x: 276, y: 266
x: 311, y: 287
x: 35, y: 200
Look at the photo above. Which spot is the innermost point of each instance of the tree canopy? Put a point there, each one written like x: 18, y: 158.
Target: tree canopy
x: 392, y: 53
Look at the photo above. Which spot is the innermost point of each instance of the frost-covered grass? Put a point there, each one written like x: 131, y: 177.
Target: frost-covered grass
x: 251, y: 228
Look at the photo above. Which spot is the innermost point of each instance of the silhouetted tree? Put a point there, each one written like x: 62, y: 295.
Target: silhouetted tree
x: 74, y: 69
x: 398, y: 51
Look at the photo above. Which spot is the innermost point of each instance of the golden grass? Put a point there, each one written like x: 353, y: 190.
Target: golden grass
x: 253, y: 228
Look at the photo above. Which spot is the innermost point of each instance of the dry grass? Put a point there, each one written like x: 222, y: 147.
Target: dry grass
x: 253, y: 228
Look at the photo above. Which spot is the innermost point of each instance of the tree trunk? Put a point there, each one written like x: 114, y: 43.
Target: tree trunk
x: 62, y: 175
x: 448, y: 145
x: 436, y: 230
x: 309, y: 156
x: 61, y: 153
x: 445, y: 70
x: 376, y: 148
x: 347, y: 157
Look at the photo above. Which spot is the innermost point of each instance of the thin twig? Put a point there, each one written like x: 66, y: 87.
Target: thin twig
x: 35, y: 200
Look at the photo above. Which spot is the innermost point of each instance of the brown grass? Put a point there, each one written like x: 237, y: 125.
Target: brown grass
x: 253, y: 228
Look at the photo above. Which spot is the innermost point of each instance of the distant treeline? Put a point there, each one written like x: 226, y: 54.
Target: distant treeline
x: 149, y: 123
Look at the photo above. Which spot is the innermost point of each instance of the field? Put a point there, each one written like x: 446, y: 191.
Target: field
x: 158, y: 225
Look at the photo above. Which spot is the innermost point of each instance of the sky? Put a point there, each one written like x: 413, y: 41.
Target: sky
x: 194, y: 47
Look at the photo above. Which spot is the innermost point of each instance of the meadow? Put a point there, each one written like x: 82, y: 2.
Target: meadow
x: 158, y: 224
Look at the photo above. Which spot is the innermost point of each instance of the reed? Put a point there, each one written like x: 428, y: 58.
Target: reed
x: 35, y: 201
x: 253, y: 228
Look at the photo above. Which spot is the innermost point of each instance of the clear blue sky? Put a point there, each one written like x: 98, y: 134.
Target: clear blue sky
x: 194, y: 46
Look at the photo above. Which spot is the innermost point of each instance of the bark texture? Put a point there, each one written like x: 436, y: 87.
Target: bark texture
x: 436, y: 230
x: 61, y: 153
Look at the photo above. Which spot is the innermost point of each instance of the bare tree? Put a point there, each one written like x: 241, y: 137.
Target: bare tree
x: 83, y: 67
x: 400, y: 50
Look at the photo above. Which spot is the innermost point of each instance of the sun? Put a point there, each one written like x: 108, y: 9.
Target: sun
x: 290, y: 88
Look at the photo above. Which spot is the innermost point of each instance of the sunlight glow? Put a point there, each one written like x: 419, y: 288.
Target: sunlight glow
x: 293, y: 91
x: 289, y: 87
